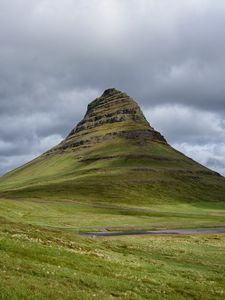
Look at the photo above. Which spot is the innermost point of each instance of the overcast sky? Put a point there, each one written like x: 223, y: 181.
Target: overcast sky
x: 56, y: 56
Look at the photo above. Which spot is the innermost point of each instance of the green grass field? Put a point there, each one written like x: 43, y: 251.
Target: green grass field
x: 72, y: 216
x: 38, y: 263
x: 42, y: 257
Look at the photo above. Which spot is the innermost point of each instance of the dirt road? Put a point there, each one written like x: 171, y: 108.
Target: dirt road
x: 186, y: 231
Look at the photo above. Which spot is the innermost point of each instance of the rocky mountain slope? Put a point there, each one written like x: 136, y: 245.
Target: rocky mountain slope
x: 110, y: 116
x: 114, y: 155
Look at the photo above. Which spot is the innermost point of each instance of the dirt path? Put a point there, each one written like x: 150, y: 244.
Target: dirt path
x: 186, y: 231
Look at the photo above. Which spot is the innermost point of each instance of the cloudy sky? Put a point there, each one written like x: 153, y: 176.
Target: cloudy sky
x: 56, y: 56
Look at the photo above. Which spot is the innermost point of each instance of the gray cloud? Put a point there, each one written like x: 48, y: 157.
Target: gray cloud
x: 197, y: 133
x: 186, y: 124
x: 57, y: 56
x: 210, y: 155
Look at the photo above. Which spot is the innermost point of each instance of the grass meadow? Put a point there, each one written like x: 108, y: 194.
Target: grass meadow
x: 43, y: 257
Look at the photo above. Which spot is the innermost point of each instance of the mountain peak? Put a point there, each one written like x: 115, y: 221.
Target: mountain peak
x: 110, y: 92
x: 109, y: 95
x: 112, y: 116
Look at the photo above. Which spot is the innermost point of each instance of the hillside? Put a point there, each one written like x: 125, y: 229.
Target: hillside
x: 113, y: 155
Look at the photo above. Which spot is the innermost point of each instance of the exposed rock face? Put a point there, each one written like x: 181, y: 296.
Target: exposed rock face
x: 113, y: 115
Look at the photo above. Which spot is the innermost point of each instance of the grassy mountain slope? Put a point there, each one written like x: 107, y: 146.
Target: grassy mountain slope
x: 114, y: 155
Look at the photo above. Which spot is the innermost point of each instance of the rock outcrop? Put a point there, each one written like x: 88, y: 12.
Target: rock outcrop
x: 113, y: 115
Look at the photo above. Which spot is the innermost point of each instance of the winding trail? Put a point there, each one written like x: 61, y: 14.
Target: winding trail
x: 186, y: 231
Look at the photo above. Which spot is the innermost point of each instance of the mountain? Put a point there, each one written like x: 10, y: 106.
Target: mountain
x: 114, y: 155
x: 114, y: 115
